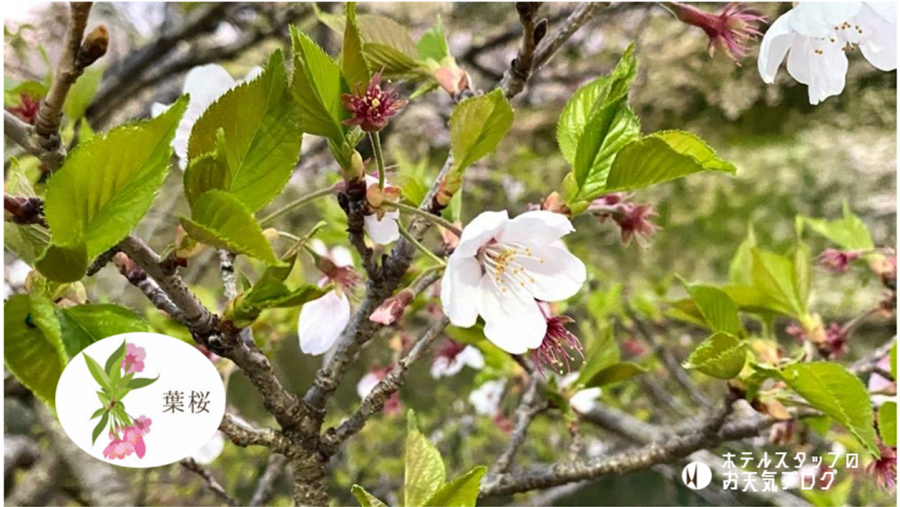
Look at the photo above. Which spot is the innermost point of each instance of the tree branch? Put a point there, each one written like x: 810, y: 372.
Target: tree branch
x: 208, y: 478
x: 242, y: 434
x: 374, y: 402
x: 274, y: 469
x: 528, y: 408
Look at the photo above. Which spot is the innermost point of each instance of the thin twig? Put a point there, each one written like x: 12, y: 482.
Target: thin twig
x: 528, y: 408
x: 291, y: 206
x: 242, y: 434
x: 374, y: 402
x: 446, y: 224
x: 266, y: 484
x: 211, y: 482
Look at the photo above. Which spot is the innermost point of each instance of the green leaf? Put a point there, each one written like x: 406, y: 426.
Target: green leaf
x: 887, y: 423
x: 35, y: 357
x: 353, y: 62
x: 219, y: 219
x: 365, y: 498
x: 802, y: 272
x: 830, y: 388
x: 100, y: 411
x: 388, y: 46
x: 317, y: 89
x: 597, y: 123
x: 615, y: 373
x: 63, y: 264
x: 661, y: 157
x: 100, y: 427
x: 86, y: 324
x: 139, y: 383
x: 107, y: 184
x: 82, y: 93
x: 740, y: 271
x: 477, y: 126
x: 115, y: 359
x: 424, y: 473
x: 97, y: 372
x: 775, y: 278
x: 893, y: 356
x: 433, y: 44
x: 850, y: 232
x: 462, y: 492
x: 261, y: 140
x: 717, y: 308
x: 721, y: 356
x: 602, y: 352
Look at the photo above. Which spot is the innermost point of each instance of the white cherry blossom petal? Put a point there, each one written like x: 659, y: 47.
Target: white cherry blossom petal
x: 471, y: 357
x: 384, y: 231
x: 458, y: 288
x: 536, y: 228
x: 486, y: 399
x: 342, y: 257
x: 512, y: 319
x: 585, y: 400
x: 557, y: 274
x: 210, y: 450
x: 322, y: 321
x: 878, y: 41
x: 818, y: 19
x: 480, y: 231
x: 366, y: 384
x: 775, y: 45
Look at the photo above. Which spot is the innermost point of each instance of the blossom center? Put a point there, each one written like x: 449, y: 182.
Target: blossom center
x: 503, y: 262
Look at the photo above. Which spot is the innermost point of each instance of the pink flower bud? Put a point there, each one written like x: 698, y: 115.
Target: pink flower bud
x: 392, y: 309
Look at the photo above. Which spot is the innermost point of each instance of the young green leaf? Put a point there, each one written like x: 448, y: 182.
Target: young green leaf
x: 829, y: 387
x: 775, y: 278
x: 433, y: 44
x: 477, y: 126
x: 893, y: 356
x: 717, y: 308
x: 887, y: 423
x: 82, y: 93
x: 107, y: 184
x: 365, y: 498
x: 661, y: 157
x: 615, y: 373
x: 221, y: 220
x: 721, y: 356
x: 115, y: 362
x: 100, y: 427
x: 86, y: 324
x: 388, y: 46
x: 740, y: 271
x: 36, y: 359
x: 317, y: 89
x: 602, y: 352
x: 424, y: 474
x: 140, y: 383
x: 63, y: 264
x: 849, y: 232
x: 257, y: 126
x: 353, y: 62
x: 462, y: 492
x: 100, y: 411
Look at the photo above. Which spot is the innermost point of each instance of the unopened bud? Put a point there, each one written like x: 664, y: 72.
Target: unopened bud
x: 392, y: 309
x: 94, y: 46
x: 357, y: 167
x: 555, y: 203
x: 540, y: 30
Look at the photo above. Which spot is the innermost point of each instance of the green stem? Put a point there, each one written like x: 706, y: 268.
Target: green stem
x: 446, y: 224
x: 419, y: 246
x: 306, y: 199
x: 375, y: 139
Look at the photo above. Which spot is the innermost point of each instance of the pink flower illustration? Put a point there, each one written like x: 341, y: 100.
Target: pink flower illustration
x: 130, y: 440
x: 134, y: 359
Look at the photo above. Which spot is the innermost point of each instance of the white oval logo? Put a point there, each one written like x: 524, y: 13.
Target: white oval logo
x: 696, y: 475
x: 140, y: 400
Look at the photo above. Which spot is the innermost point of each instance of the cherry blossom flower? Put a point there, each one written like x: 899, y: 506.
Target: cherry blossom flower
x: 381, y: 226
x: 499, y: 270
x: 815, y: 36
x: 130, y: 440
x: 118, y: 448
x: 835, y: 345
x: 211, y: 449
x: 885, y: 468
x: 634, y: 220
x: 486, y: 399
x: 555, y: 350
x: 837, y: 261
x: 728, y: 30
x: 27, y: 109
x: 205, y: 84
x: 453, y: 356
x: 370, y: 108
x: 134, y: 359
x: 322, y: 321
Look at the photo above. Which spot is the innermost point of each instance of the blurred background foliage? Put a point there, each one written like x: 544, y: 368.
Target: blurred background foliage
x: 793, y: 159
